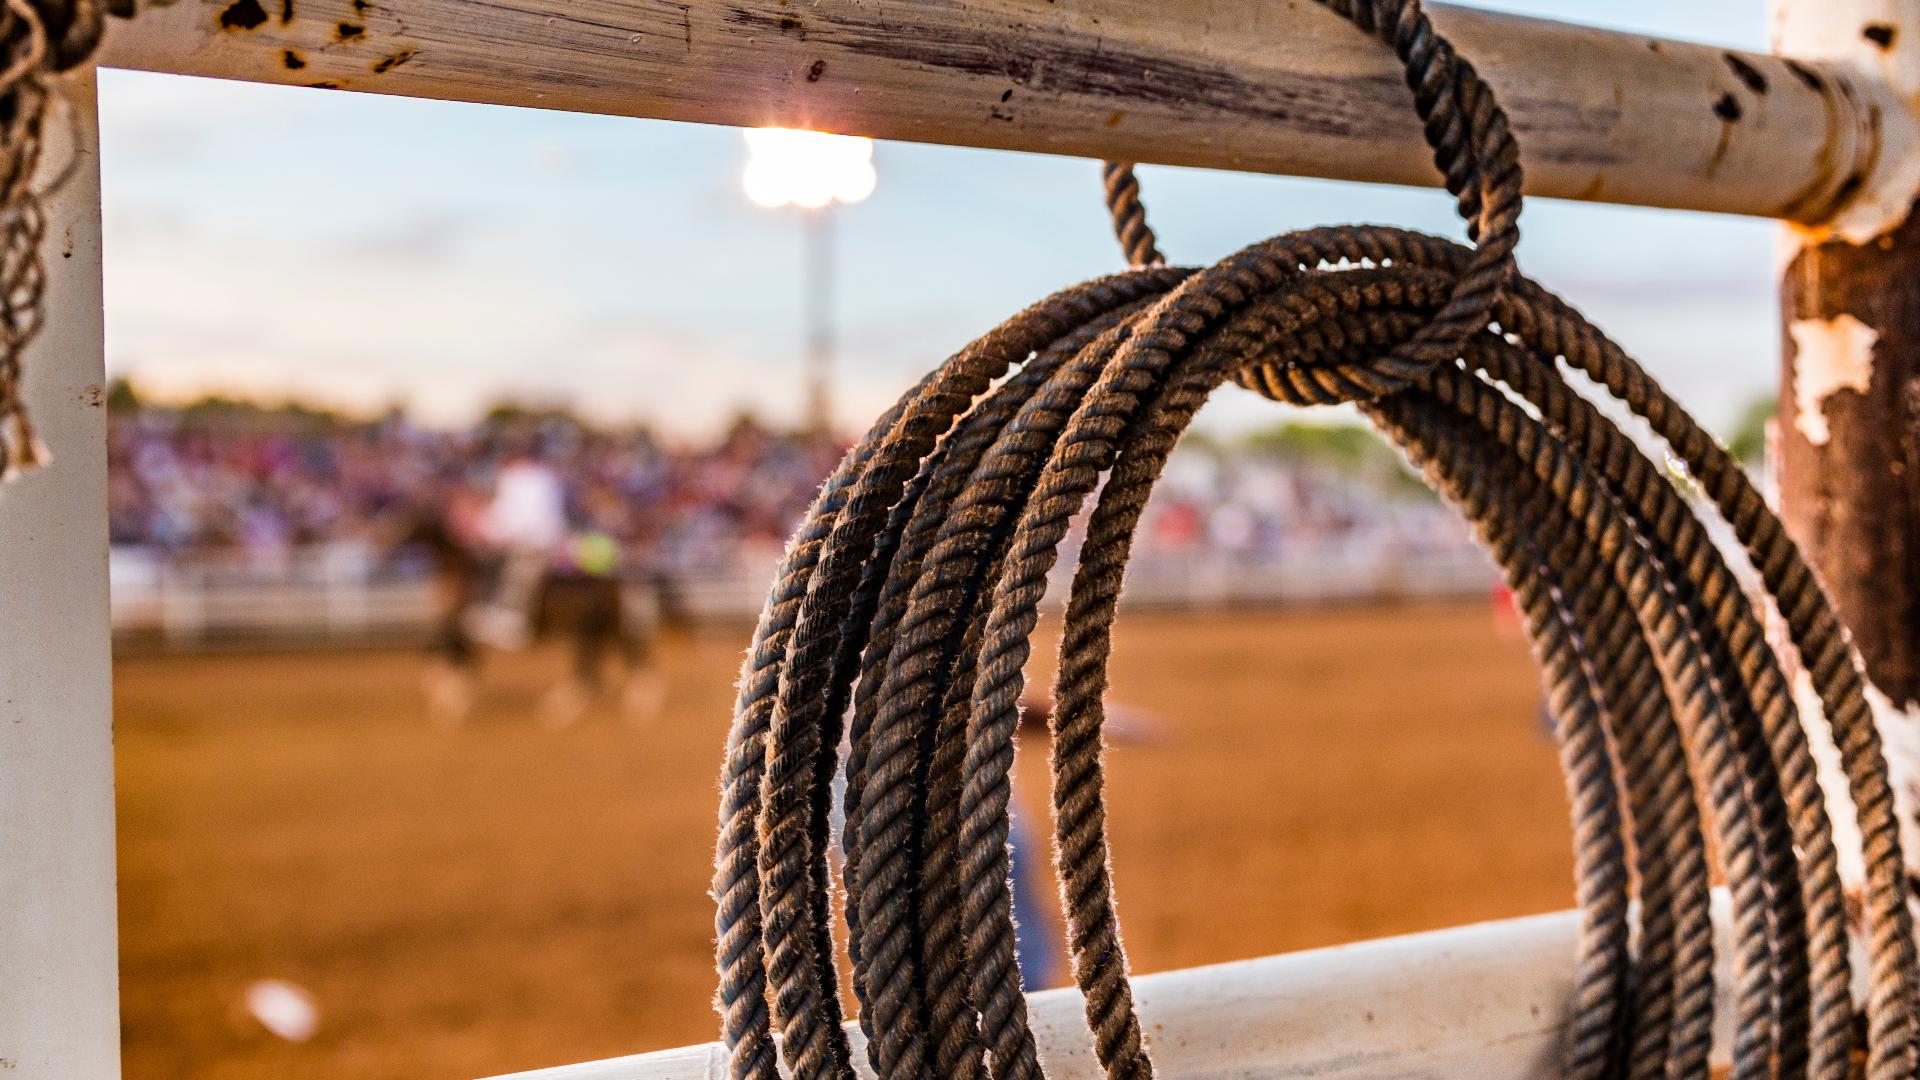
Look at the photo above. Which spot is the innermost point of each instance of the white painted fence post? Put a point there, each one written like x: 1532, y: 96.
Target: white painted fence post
x: 59, y: 978
x: 1847, y: 444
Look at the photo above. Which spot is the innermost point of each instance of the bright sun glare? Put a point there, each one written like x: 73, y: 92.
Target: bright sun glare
x: 807, y: 168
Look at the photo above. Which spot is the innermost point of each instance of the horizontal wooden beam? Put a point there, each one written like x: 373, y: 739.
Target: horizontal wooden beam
x: 1485, y: 1002
x: 1277, y: 86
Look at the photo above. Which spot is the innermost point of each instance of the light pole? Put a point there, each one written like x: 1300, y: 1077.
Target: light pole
x: 812, y: 170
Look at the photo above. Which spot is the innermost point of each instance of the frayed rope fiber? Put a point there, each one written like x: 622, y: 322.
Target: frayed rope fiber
x: 38, y: 39
x: 908, y: 599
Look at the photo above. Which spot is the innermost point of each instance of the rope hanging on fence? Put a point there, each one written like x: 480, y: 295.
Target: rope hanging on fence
x: 909, y: 596
x: 38, y: 38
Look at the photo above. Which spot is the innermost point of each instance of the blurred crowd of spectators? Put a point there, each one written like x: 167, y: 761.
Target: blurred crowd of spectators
x: 1265, y: 506
x: 245, y: 486
x: 256, y: 487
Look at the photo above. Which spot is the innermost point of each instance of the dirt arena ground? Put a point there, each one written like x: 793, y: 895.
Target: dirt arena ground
x: 505, y: 897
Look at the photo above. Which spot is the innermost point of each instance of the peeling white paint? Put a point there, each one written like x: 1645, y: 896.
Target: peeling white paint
x: 1847, y: 843
x: 1888, y: 83
x: 1835, y: 30
x: 1830, y: 355
x: 1899, y: 728
x: 1900, y: 741
x: 1888, y: 195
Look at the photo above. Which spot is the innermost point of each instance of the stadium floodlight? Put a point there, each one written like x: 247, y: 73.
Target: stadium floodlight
x: 808, y: 169
x: 812, y: 170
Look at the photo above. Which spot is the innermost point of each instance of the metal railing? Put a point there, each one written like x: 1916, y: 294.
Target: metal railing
x: 321, y: 597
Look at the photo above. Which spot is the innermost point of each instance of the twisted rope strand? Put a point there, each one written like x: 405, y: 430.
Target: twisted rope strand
x: 911, y: 594
x: 1129, y: 215
x: 38, y: 39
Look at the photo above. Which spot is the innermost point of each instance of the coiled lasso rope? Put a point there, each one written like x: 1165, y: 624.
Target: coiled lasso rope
x: 908, y: 599
x: 38, y: 38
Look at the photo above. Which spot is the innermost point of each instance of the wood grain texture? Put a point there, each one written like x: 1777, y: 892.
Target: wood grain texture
x: 1278, y: 86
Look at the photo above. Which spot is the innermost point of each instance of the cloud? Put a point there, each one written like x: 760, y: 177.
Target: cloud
x: 447, y: 314
x: 429, y: 238
x: 149, y: 120
x: 552, y: 157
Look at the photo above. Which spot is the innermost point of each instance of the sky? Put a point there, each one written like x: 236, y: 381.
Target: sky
x: 359, y: 251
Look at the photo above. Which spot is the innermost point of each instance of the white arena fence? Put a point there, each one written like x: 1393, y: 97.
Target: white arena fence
x: 1469, y: 1003
x: 337, y: 595
x: 1823, y: 133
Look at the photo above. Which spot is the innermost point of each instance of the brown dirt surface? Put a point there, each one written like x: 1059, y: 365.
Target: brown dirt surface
x: 506, y: 897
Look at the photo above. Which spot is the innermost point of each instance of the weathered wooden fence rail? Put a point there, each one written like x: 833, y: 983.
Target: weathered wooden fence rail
x: 1254, y: 85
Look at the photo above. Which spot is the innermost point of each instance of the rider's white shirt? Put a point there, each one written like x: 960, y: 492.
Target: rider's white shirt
x: 529, y: 508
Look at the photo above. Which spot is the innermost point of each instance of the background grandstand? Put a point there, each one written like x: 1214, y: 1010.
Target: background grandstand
x: 232, y: 521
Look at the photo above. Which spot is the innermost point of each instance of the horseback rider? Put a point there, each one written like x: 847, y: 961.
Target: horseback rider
x: 526, y: 522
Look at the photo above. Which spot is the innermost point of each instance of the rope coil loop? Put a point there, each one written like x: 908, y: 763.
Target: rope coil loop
x: 902, y: 616
x: 38, y: 39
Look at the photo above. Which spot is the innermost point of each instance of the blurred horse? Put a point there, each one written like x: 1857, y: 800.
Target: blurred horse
x: 602, y: 614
